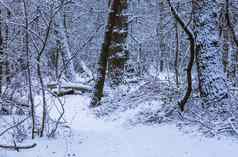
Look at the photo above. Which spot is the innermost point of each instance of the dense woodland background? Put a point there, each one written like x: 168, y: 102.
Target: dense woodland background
x: 120, y: 54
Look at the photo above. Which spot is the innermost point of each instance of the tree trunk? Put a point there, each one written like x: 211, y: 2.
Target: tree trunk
x: 196, y: 50
x: 105, y: 52
x: 225, y: 46
x: 162, y: 41
x: 118, y: 49
x: 1, y: 53
x: 176, y: 64
x: 234, y: 55
x: 212, y: 78
x: 225, y: 31
x: 7, y: 50
x: 26, y: 47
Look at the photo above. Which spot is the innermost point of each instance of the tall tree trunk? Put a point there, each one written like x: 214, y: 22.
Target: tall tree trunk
x: 176, y: 64
x: 27, y: 50
x: 41, y: 80
x: 112, y: 23
x: 162, y: 41
x: 225, y: 31
x: 118, y: 48
x: 212, y: 78
x: 1, y: 53
x: 234, y: 55
x: 196, y: 50
x: 225, y: 54
x: 6, y: 48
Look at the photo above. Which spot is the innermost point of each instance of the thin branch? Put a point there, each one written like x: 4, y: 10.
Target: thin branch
x: 17, y: 148
x: 19, y: 123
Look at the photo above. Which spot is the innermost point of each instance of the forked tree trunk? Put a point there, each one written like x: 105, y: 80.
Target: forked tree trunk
x: 212, y: 78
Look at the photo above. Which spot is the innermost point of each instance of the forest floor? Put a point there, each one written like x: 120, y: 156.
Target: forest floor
x: 90, y: 136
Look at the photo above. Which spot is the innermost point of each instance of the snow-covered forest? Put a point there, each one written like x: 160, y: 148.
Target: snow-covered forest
x: 118, y: 78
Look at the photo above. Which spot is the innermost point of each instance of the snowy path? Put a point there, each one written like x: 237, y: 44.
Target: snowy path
x: 92, y: 137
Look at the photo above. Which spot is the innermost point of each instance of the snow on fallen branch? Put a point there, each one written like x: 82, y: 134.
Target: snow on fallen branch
x: 70, y: 88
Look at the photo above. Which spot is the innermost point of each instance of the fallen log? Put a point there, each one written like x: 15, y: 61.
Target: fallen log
x: 76, y: 87
x: 65, y: 92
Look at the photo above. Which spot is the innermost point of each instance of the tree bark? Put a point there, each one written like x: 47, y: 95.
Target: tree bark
x: 118, y: 49
x: 176, y: 64
x: 234, y: 56
x: 212, y: 78
x: 196, y: 50
x: 29, y: 67
x: 104, y: 55
x: 6, y: 48
x: 225, y: 31
x: 1, y: 53
x: 162, y: 38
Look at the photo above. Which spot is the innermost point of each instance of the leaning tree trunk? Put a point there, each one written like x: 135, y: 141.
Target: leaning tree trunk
x: 112, y: 24
x: 212, y: 78
x: 191, y: 39
x: 118, y: 49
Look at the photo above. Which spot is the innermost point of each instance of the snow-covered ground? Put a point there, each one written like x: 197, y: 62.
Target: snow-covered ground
x: 93, y: 137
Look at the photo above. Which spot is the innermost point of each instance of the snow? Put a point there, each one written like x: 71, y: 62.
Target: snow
x: 90, y: 136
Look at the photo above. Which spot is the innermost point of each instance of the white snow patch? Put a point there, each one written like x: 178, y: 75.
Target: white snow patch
x: 91, y: 137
